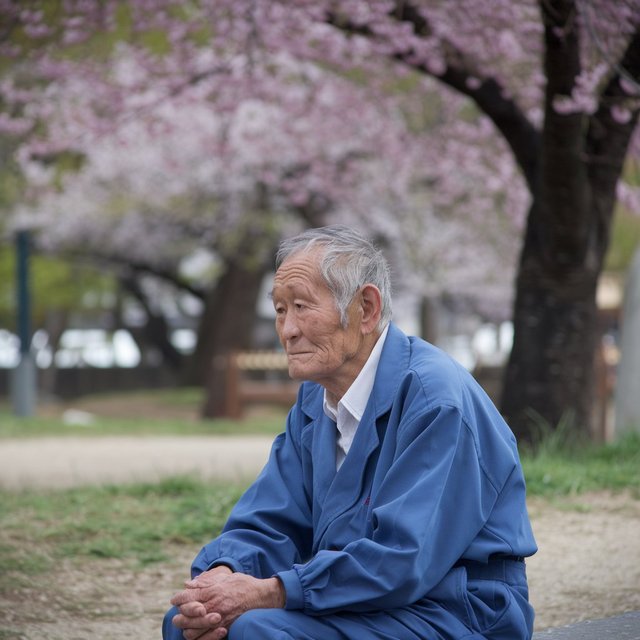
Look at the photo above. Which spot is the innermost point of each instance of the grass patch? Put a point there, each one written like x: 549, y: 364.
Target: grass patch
x: 12, y: 427
x: 11, y: 634
x: 137, y: 522
x: 159, y: 412
x: 558, y: 467
x: 142, y: 523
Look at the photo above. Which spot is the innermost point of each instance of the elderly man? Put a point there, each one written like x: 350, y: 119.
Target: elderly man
x: 393, y: 506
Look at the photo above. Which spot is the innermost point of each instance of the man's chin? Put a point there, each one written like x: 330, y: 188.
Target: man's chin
x: 296, y: 373
x: 299, y: 370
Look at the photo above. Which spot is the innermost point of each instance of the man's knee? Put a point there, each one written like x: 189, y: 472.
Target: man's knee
x: 169, y: 632
x: 259, y: 623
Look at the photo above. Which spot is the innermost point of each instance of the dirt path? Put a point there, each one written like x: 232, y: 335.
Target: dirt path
x: 73, y: 461
x: 588, y: 565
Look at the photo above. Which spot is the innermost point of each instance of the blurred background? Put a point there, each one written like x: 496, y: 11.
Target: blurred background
x: 154, y: 153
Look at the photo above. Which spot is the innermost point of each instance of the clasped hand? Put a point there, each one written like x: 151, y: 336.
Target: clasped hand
x: 212, y: 601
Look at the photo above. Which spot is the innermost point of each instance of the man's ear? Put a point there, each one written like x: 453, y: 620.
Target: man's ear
x: 371, y: 304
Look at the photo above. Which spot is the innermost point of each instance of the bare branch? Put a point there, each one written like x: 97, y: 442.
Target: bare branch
x: 139, y: 267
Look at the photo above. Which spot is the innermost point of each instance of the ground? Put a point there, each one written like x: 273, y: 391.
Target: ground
x: 588, y: 567
x: 588, y: 563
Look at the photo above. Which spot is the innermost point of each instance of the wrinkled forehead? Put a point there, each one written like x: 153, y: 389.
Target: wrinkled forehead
x: 301, y: 266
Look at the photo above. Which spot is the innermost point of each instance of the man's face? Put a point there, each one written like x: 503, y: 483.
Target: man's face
x: 318, y: 347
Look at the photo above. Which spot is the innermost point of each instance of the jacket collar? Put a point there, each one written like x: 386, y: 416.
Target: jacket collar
x: 394, y: 360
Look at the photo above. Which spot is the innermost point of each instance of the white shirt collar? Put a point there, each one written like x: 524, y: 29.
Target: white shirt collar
x: 348, y: 413
x: 357, y: 395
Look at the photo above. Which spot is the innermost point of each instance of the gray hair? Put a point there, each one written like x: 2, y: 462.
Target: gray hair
x: 348, y: 262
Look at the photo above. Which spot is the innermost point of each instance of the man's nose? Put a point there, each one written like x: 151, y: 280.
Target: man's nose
x: 290, y: 327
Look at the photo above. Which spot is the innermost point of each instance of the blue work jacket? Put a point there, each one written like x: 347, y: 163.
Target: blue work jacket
x: 432, y: 478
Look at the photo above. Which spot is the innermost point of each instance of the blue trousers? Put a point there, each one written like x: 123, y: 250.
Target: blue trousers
x: 462, y: 607
x: 278, y: 624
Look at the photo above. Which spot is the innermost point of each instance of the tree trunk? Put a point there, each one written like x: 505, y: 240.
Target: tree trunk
x: 229, y: 316
x: 156, y: 331
x: 226, y: 331
x: 549, y: 379
x: 429, y: 309
x: 550, y: 375
x: 55, y: 323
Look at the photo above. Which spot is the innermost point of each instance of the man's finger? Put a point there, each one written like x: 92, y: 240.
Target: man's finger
x: 182, y: 597
x: 206, y: 579
x: 193, y: 609
x: 209, y: 621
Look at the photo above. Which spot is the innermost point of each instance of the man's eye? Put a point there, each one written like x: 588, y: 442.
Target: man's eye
x: 299, y: 306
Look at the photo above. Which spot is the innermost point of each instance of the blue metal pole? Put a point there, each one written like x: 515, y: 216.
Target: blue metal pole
x: 22, y: 288
x: 23, y: 388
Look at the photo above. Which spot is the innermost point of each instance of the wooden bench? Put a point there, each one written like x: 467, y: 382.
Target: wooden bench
x: 625, y: 626
x: 257, y: 377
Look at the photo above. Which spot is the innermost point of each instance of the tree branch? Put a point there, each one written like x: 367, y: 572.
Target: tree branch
x: 521, y: 136
x: 141, y: 268
x: 608, y: 138
x: 489, y: 95
x: 563, y: 197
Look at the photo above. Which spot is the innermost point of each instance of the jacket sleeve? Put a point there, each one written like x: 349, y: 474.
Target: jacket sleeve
x: 434, y: 498
x: 269, y: 529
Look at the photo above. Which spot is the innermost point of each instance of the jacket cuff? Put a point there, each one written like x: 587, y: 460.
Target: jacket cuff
x: 292, y: 588
x: 233, y: 564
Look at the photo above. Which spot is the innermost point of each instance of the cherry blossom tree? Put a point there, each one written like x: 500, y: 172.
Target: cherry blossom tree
x: 189, y: 176
x: 537, y: 109
x: 559, y: 80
